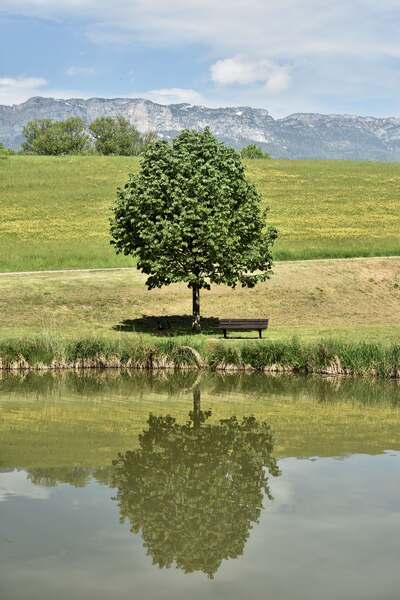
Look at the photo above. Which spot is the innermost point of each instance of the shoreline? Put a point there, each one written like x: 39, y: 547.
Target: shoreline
x: 325, y: 358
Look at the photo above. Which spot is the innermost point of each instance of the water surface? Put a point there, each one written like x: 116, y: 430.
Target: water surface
x: 173, y: 486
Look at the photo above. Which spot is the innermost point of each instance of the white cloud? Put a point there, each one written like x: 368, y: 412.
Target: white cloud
x: 14, y: 90
x: 236, y: 70
x: 16, y: 483
x: 241, y: 71
x: 331, y: 51
x: 278, y: 82
x: 263, y: 27
x: 171, y: 96
x: 17, y: 89
x: 80, y: 71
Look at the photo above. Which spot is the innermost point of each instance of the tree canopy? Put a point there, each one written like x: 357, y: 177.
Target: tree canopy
x: 253, y: 151
x: 49, y: 137
x: 191, y: 215
x: 195, y: 490
x: 105, y: 135
x: 115, y: 135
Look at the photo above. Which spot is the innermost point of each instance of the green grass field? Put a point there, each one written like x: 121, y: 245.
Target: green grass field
x: 350, y: 300
x: 54, y: 212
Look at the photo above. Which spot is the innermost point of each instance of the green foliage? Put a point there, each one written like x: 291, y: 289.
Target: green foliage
x: 253, y: 151
x: 56, y: 138
x: 116, y: 136
x: 185, y: 481
x: 4, y: 152
x: 191, y: 215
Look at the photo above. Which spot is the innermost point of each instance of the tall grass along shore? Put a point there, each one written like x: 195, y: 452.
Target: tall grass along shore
x: 325, y: 357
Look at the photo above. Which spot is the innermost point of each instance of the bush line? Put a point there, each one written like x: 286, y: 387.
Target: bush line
x: 325, y: 357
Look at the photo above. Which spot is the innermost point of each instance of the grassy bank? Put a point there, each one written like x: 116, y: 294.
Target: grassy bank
x: 54, y: 212
x: 325, y: 357
x: 353, y: 300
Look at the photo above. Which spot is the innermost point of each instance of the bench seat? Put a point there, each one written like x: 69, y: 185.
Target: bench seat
x: 243, y: 325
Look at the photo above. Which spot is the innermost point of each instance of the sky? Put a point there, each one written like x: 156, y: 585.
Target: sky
x: 328, y: 56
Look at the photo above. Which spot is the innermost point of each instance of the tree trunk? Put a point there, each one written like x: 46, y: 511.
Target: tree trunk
x: 196, y: 309
x: 196, y: 407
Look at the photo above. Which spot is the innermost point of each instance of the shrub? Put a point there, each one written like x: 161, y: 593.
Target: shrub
x: 253, y: 152
x: 5, y: 152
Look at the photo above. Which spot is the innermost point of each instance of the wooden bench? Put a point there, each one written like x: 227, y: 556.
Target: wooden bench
x: 243, y: 325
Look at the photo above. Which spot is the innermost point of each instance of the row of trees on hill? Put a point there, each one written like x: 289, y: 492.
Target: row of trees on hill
x: 106, y: 135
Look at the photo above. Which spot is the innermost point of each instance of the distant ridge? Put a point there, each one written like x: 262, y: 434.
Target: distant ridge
x: 301, y: 135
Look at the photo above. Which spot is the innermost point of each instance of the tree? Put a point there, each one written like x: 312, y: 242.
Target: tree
x: 115, y: 135
x: 4, y: 152
x: 253, y: 151
x: 53, y: 476
x: 194, y: 490
x: 148, y: 137
x: 191, y: 215
x: 50, y: 137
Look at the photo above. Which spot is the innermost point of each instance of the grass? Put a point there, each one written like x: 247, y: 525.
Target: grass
x: 352, y: 301
x: 329, y: 357
x: 54, y: 212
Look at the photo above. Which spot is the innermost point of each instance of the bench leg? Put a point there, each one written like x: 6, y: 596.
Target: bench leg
x: 225, y: 333
x: 260, y: 333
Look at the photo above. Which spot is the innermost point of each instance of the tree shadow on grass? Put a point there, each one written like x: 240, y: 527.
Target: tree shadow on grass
x: 168, y: 326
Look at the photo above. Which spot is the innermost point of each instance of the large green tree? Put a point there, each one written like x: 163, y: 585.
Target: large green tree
x: 115, y: 135
x: 194, y: 490
x: 49, y: 137
x: 191, y: 215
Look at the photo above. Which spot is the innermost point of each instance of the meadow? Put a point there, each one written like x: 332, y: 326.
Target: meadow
x: 54, y: 215
x: 350, y: 300
x: 54, y: 212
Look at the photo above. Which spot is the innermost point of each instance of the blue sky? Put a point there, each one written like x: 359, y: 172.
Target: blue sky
x: 284, y: 55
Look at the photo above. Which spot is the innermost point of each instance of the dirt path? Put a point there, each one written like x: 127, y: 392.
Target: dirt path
x: 102, y: 269
x: 55, y: 271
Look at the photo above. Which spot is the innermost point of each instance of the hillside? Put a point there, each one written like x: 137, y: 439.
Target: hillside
x: 299, y: 135
x: 356, y: 299
x: 54, y: 212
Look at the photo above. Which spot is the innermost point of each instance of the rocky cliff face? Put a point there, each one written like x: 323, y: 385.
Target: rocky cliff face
x: 297, y: 136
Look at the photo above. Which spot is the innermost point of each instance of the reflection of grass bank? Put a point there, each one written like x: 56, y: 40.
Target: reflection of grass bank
x: 82, y: 420
x: 325, y: 357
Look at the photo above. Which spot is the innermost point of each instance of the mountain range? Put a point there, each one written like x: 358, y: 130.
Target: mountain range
x: 300, y: 135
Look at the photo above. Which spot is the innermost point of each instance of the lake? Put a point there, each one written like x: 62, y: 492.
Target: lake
x: 178, y: 485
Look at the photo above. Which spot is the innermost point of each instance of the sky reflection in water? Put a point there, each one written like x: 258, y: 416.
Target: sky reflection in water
x: 207, y: 497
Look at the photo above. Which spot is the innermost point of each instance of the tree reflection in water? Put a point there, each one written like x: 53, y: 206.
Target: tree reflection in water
x: 194, y: 490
